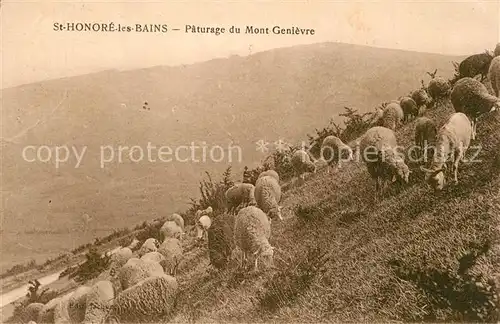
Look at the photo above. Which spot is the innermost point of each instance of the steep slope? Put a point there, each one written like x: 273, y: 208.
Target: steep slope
x: 415, y: 256
x: 282, y: 93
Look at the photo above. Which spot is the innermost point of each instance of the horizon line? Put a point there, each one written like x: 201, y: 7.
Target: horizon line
x: 226, y: 57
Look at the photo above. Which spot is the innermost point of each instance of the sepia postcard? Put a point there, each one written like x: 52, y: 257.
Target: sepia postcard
x: 250, y: 161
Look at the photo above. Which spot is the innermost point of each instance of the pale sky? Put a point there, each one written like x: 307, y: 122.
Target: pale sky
x: 31, y: 50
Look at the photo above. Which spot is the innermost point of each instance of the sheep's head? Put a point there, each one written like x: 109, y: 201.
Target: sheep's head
x: 266, y: 256
x: 435, y: 177
x: 311, y: 167
x: 402, y: 170
x: 199, y: 231
x: 275, y: 212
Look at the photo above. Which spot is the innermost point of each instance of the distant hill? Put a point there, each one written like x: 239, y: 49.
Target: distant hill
x: 278, y: 94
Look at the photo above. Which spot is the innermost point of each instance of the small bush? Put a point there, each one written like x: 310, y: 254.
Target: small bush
x: 212, y: 194
x: 91, y: 268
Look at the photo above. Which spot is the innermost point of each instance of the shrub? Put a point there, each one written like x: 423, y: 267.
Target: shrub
x: 91, y: 268
x: 212, y: 194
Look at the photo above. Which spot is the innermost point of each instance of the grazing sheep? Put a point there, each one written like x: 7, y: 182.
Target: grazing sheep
x: 177, y: 219
x: 378, y: 150
x: 99, y: 301
x: 47, y: 312
x: 134, y: 271
x: 271, y: 173
x: 251, y: 234
x: 376, y: 119
x: 335, y: 151
x: 153, y: 256
x: 149, y: 300
x: 393, y: 116
x: 202, y: 225
x: 301, y: 162
x: 421, y: 98
x: 241, y: 194
x: 134, y: 244
x: 120, y: 257
x: 438, y: 89
x: 471, y: 97
x: 61, y: 314
x: 496, y: 52
x: 453, y: 140
x: 494, y: 75
x: 220, y: 240
x: 409, y: 107
x: 206, y: 211
x: 172, y: 251
x: 474, y: 65
x: 171, y: 229
x: 32, y: 312
x: 268, y: 196
x: 425, y: 136
x: 77, y: 303
x: 150, y: 245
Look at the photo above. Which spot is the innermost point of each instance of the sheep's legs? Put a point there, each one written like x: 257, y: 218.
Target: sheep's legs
x: 474, y: 122
x: 458, y: 158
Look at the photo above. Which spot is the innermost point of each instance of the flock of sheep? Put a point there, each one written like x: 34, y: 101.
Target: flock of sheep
x: 446, y: 146
x: 142, y: 286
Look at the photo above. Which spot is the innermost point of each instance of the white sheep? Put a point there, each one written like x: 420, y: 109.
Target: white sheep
x: 376, y: 119
x: 251, y: 234
x: 149, y: 300
x: 135, y: 242
x: 496, y: 51
x: 153, y: 256
x: 469, y: 96
x: 378, y: 149
x: 335, y: 151
x: 271, y: 173
x: 77, y: 304
x: 172, y: 251
x: 425, y: 136
x: 98, y: 302
x: 202, y: 225
x: 61, y: 314
x: 241, y: 194
x: 453, y: 140
x: 32, y: 312
x: 171, y: 229
x: 393, y: 116
x: 150, y: 245
x: 120, y: 257
x: 268, y: 196
x: 177, y: 219
x: 47, y: 312
x: 134, y: 271
x: 494, y: 75
x: 301, y: 162
x: 207, y: 211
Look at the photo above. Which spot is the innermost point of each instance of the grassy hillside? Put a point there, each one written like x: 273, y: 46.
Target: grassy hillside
x: 283, y: 93
x: 415, y: 256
